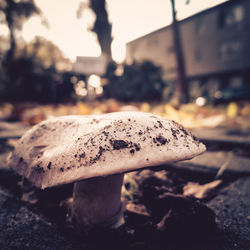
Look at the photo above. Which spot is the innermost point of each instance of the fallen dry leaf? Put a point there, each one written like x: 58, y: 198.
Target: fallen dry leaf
x: 127, y: 108
x: 29, y: 197
x: 137, y: 208
x: 200, y: 191
x: 186, y: 218
x: 213, y: 121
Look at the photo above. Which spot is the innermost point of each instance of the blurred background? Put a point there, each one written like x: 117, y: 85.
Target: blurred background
x: 186, y: 60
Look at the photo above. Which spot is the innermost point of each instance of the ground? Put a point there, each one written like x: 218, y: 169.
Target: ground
x: 158, y: 216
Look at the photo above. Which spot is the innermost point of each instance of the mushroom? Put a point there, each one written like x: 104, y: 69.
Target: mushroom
x: 94, y: 152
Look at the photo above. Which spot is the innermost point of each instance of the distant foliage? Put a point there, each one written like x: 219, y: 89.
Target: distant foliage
x: 24, y: 83
x: 38, y: 73
x: 14, y: 13
x: 46, y: 54
x: 27, y: 80
x: 139, y: 82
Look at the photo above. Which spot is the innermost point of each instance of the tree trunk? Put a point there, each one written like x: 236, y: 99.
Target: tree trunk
x: 12, y: 50
x: 102, y: 27
x: 10, y: 23
x: 181, y: 90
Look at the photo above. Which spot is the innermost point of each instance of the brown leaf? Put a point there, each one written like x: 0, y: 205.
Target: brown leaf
x: 137, y: 208
x: 200, y: 191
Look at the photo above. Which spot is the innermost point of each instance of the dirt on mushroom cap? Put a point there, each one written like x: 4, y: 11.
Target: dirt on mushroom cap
x: 71, y: 148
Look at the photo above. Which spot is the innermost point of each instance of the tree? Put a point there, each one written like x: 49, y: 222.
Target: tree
x: 37, y: 74
x: 46, y: 54
x: 139, y: 82
x: 181, y: 92
x: 102, y: 27
x: 13, y: 14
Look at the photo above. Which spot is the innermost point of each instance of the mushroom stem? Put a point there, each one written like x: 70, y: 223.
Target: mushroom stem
x: 97, y: 202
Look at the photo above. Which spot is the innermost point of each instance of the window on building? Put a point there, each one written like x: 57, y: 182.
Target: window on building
x: 195, y: 89
x: 197, y: 55
x: 231, y: 16
x: 170, y: 50
x: 236, y: 81
x: 132, y: 49
x: 229, y: 50
x: 152, y: 41
x: 199, y: 27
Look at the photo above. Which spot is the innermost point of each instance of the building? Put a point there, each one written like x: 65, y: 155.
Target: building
x: 215, y: 44
x: 91, y: 65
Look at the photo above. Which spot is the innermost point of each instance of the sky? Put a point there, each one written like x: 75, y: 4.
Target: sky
x: 130, y: 19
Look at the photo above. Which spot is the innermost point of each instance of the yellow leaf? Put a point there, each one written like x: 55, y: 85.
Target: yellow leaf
x: 145, y: 107
x: 232, y: 110
x: 245, y: 111
x: 83, y: 109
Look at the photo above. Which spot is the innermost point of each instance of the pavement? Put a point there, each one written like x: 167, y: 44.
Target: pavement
x: 227, y: 151
x: 22, y: 227
x: 231, y: 162
x: 232, y: 208
x: 222, y: 135
x: 12, y: 130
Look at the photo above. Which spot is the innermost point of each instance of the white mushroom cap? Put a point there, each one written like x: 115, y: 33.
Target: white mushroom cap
x: 72, y: 148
